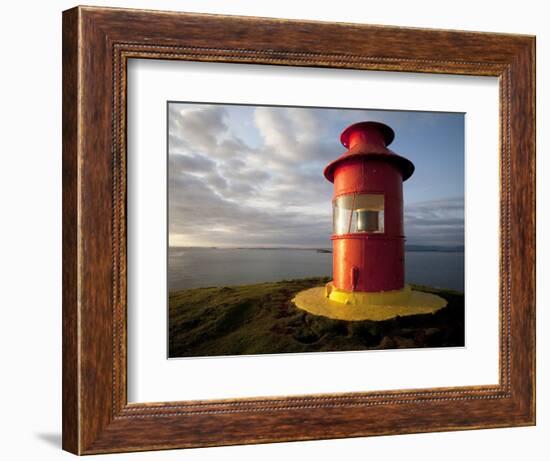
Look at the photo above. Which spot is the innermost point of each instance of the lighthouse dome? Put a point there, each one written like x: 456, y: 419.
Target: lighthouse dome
x: 369, y: 140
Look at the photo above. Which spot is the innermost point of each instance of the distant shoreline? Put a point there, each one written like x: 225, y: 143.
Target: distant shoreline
x: 408, y: 248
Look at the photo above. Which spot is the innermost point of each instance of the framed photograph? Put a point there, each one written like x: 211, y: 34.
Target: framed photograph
x: 279, y: 230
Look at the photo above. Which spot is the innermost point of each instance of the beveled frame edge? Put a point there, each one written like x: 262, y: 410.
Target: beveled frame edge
x: 97, y: 43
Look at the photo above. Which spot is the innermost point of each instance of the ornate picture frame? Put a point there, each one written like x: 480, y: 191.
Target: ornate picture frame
x: 97, y: 44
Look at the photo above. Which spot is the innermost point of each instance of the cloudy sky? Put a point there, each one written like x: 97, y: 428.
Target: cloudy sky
x: 252, y: 176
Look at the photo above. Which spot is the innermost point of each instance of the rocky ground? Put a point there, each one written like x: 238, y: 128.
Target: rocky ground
x: 261, y: 319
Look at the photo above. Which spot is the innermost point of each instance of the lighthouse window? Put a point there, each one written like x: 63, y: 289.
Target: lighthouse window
x: 358, y: 213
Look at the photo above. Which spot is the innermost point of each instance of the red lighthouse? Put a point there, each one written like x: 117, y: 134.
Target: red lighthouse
x: 368, y: 236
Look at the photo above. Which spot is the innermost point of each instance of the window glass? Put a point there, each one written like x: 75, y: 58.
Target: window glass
x: 358, y: 213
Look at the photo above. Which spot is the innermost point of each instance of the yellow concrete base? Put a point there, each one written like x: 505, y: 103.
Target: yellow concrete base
x: 337, y: 304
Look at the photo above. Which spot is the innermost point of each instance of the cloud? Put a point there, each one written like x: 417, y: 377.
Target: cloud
x: 195, y: 126
x: 252, y: 176
x: 197, y: 214
x: 435, y: 222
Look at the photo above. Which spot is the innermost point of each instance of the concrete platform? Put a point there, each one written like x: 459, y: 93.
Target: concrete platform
x: 367, y: 306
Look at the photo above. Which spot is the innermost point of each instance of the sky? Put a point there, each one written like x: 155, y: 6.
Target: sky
x: 252, y: 176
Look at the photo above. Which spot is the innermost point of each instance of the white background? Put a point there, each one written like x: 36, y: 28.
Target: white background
x: 153, y: 378
x: 30, y: 247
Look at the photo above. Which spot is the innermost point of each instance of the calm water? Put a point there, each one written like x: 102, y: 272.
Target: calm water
x: 205, y: 267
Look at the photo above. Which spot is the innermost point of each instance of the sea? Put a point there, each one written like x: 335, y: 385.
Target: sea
x: 191, y: 267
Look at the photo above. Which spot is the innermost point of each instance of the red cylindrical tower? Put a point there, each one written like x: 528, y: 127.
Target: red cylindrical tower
x: 368, y: 237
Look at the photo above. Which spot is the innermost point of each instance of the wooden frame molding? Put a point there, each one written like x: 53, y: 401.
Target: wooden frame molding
x: 97, y: 43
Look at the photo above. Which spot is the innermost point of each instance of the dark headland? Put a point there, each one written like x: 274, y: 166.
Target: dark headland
x: 261, y: 319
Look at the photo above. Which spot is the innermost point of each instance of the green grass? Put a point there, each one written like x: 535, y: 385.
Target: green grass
x: 261, y: 319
